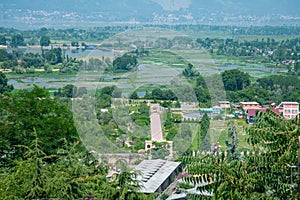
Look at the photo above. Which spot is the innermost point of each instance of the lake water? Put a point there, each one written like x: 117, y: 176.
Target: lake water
x: 57, y: 82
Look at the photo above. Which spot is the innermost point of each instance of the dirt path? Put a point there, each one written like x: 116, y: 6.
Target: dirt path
x: 156, y: 130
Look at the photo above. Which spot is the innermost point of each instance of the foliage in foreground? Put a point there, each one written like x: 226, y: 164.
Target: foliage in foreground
x: 264, y: 175
x: 42, y: 157
x: 26, y: 111
x: 73, y: 175
x: 4, y: 87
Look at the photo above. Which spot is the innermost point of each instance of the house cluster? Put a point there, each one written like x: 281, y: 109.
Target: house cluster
x: 289, y: 110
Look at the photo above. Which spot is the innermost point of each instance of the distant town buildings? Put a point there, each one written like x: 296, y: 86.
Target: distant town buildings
x: 289, y: 110
x: 248, y: 110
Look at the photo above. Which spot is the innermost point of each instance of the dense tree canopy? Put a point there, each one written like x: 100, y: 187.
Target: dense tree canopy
x: 126, y: 62
x: 203, y: 96
x: 17, y: 40
x: 2, y: 40
x: 279, y: 81
x: 189, y: 71
x: 159, y: 94
x: 73, y: 175
x: 281, y: 87
x: 71, y: 91
x: 42, y: 157
x: 4, y: 87
x: 200, y: 81
x: 235, y: 79
x: 21, y: 62
x: 125, y: 187
x: 4, y: 55
x: 32, y: 60
x: 24, y: 112
x: 267, y: 48
x: 297, y: 68
x: 45, y: 40
x: 54, y: 56
x: 67, y: 91
x: 252, y: 93
x: 203, y: 134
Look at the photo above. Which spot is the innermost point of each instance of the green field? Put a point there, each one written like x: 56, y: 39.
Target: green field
x: 218, y: 133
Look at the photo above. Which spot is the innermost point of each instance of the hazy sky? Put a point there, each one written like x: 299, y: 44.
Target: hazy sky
x: 173, y: 4
x: 24, y: 13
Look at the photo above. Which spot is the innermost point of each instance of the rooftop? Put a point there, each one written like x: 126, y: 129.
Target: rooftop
x: 224, y: 102
x: 253, y: 102
x: 286, y: 102
x: 154, y: 173
x: 252, y: 112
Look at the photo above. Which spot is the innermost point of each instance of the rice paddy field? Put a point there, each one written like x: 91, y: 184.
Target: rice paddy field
x: 162, y: 67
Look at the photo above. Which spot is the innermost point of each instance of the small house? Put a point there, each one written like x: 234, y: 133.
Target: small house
x: 224, y: 105
x: 249, y: 105
x: 289, y: 110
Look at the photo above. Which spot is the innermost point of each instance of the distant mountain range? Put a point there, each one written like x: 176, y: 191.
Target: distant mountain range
x: 31, y: 13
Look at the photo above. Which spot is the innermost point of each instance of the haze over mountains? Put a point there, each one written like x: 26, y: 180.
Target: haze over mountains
x: 28, y: 13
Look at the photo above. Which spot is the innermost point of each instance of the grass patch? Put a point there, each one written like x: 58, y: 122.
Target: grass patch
x: 242, y: 137
x: 218, y: 133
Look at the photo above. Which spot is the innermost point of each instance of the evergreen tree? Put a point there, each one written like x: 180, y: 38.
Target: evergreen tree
x: 276, y: 139
x: 204, y: 143
x: 126, y: 62
x: 73, y: 175
x: 233, y: 146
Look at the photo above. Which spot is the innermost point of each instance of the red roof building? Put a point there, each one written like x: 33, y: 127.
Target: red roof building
x: 251, y: 113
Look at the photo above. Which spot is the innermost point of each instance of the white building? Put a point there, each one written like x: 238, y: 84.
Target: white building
x: 157, y: 175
